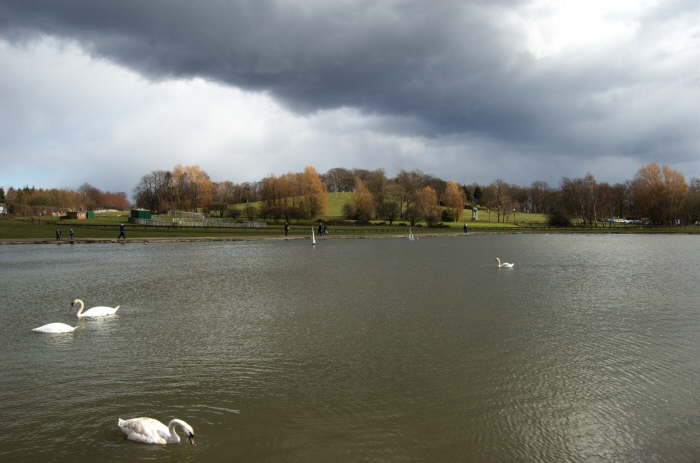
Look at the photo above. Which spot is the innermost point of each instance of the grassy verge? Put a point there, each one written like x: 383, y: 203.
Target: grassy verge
x: 108, y: 228
x: 46, y: 229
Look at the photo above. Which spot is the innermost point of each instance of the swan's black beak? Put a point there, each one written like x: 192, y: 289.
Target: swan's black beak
x: 190, y: 439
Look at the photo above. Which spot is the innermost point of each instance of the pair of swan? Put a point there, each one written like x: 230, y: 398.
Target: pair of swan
x: 93, y: 312
x: 504, y: 264
x: 151, y: 431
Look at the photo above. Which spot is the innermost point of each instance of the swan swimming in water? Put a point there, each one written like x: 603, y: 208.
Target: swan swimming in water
x: 504, y: 264
x: 152, y: 431
x: 55, y: 328
x: 93, y: 312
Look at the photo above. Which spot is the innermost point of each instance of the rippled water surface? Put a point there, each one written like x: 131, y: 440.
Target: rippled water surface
x: 358, y: 350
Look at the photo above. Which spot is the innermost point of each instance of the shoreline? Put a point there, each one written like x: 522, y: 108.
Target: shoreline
x: 204, y: 239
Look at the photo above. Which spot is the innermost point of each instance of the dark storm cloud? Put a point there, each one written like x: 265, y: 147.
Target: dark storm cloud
x: 447, y: 67
x: 448, y: 64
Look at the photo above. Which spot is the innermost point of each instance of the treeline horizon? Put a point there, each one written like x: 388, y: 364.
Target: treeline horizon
x: 657, y: 194
x: 28, y: 201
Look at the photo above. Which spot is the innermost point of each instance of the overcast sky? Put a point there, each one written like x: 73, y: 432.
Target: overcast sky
x: 107, y: 91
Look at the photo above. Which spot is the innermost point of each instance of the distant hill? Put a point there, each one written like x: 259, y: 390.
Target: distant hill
x: 336, y: 201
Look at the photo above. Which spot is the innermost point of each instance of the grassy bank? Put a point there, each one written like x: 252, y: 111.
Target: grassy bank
x: 108, y: 228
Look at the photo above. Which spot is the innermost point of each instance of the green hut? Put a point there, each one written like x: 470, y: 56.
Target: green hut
x: 140, y: 214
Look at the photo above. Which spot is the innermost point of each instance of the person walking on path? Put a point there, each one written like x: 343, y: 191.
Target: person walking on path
x: 286, y: 228
x: 465, y: 228
x: 122, y: 231
x: 58, y: 235
x: 71, y: 233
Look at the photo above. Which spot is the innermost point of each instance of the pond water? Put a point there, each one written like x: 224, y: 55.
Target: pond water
x: 358, y: 350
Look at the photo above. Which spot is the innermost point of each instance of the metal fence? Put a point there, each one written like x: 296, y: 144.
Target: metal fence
x: 188, y: 222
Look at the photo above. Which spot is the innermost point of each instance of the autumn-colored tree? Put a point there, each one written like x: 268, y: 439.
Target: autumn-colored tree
x: 658, y: 193
x: 435, y: 183
x: 676, y: 191
x: 192, y: 187
x: 94, y: 198
x: 294, y: 195
x: 363, y: 202
x: 37, y: 201
x: 453, y: 199
x: 313, y: 192
x: 111, y: 200
x: 427, y: 205
x: 648, y: 193
x: 274, y: 193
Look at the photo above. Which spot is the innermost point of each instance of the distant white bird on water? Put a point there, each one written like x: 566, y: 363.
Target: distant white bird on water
x: 151, y: 431
x: 55, y: 328
x: 93, y: 312
x: 504, y: 264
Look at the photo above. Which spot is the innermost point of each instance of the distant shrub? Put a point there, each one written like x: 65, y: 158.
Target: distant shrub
x: 559, y: 219
x: 432, y: 220
x: 232, y: 213
x: 448, y: 215
x: 349, y: 211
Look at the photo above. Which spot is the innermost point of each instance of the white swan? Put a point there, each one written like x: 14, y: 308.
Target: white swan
x: 93, y: 312
x: 504, y: 264
x: 152, y: 431
x: 55, y: 328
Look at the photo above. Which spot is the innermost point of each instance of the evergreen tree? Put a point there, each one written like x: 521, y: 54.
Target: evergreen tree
x: 478, y: 194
